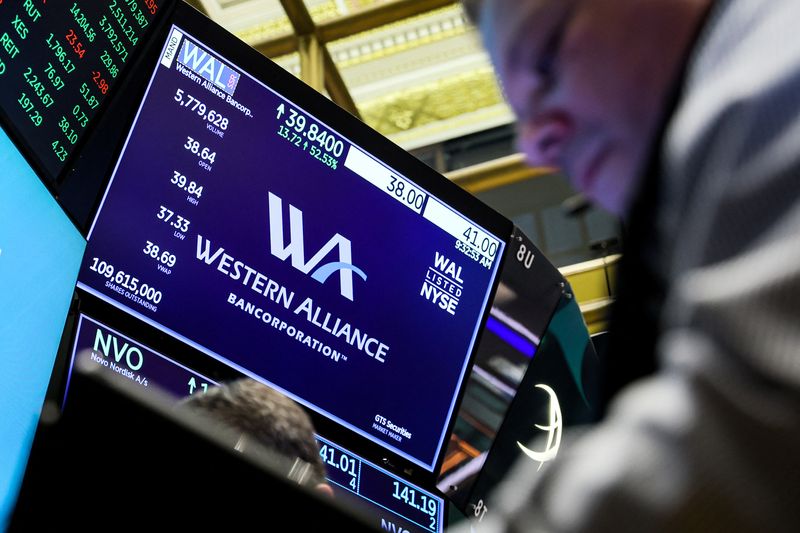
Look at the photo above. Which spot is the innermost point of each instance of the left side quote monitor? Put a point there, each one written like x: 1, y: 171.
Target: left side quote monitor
x: 40, y: 253
x: 59, y: 63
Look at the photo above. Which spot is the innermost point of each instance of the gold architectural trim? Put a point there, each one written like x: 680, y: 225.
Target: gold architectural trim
x: 277, y: 47
x: 317, y: 67
x: 496, y: 173
x: 398, y: 37
x: 596, y: 315
x: 464, y: 124
x: 379, y: 15
x: 197, y: 4
x: 432, y: 102
x: 339, y: 28
x: 587, y: 266
x: 594, y: 285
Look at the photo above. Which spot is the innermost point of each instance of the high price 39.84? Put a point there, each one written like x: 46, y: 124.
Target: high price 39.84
x: 302, y: 132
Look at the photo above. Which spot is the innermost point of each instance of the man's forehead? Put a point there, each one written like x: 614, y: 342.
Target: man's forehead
x: 504, y: 22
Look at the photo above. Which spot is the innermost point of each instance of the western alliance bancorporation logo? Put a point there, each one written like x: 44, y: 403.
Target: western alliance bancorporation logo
x: 553, y: 429
x: 296, y: 249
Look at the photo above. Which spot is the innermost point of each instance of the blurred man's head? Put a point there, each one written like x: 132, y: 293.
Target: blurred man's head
x: 589, y: 81
x: 268, y: 417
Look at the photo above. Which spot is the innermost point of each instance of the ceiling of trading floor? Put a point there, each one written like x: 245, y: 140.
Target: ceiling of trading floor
x: 414, y: 69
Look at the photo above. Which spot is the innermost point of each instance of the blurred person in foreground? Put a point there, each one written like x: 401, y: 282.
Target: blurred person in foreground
x: 683, y: 118
x: 271, y: 419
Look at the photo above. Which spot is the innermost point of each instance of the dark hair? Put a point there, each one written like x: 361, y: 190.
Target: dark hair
x: 472, y: 8
x: 270, y: 418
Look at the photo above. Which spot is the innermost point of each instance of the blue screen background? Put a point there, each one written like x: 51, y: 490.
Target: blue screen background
x: 40, y: 253
x: 413, y: 389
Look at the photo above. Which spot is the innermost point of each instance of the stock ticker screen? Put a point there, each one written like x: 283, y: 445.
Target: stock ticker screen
x: 394, y: 503
x: 59, y: 60
x: 40, y: 252
x: 250, y: 220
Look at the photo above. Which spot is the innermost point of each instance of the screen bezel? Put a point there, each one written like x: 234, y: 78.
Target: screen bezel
x: 224, y: 44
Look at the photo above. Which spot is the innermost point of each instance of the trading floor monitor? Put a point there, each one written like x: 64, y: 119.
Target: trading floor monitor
x: 384, y: 498
x: 40, y: 251
x: 118, y: 457
x: 258, y: 223
x: 241, y: 224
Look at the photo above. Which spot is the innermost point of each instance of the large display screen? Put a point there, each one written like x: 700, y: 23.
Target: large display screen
x: 133, y: 360
x: 396, y: 504
x: 244, y: 220
x: 393, y: 503
x: 40, y: 251
x: 58, y: 63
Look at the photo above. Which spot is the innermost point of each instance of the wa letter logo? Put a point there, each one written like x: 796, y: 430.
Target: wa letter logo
x: 296, y: 250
